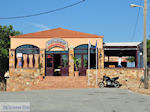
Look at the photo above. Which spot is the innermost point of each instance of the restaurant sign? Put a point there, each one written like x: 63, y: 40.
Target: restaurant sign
x: 57, y: 42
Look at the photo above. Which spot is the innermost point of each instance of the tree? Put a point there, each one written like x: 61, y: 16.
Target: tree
x: 148, y: 44
x: 131, y: 59
x: 5, y: 32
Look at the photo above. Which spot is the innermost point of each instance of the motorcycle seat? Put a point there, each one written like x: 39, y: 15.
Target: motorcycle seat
x: 114, y: 78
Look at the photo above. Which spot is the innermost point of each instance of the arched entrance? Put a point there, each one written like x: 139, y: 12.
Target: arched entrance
x: 57, y: 59
x: 81, y: 53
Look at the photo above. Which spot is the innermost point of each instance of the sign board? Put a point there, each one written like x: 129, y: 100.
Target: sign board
x: 19, y: 55
x: 57, y: 42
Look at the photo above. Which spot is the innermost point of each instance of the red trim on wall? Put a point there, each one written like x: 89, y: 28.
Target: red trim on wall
x: 56, y: 45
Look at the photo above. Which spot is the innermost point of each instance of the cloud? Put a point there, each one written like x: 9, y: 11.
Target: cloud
x: 41, y: 26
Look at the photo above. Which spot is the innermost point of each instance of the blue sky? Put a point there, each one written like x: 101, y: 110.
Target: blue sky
x: 112, y: 18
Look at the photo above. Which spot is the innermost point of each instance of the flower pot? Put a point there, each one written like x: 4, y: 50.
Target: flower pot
x: 76, y: 73
x: 40, y: 77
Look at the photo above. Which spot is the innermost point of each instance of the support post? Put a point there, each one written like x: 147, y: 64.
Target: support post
x: 145, y: 47
x: 136, y: 59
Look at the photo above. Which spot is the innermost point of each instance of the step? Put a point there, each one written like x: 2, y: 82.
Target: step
x: 61, y: 82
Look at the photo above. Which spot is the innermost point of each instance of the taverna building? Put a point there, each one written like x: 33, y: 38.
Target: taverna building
x: 55, y: 55
x: 51, y: 53
x: 55, y: 49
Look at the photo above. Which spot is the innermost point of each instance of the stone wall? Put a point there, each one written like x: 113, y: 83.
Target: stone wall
x: 125, y: 75
x: 21, y: 78
x: 21, y: 71
x: 27, y: 79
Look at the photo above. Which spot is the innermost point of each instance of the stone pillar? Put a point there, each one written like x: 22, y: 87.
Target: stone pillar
x: 71, y: 62
x: 11, y: 58
x: 42, y: 60
x: 11, y: 61
x: 100, y: 62
x: 100, y: 58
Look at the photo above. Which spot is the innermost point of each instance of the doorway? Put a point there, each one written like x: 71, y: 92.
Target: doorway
x: 57, y: 65
x: 93, y: 61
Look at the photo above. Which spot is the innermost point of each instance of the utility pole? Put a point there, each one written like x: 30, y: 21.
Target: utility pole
x: 145, y: 47
x: 144, y: 42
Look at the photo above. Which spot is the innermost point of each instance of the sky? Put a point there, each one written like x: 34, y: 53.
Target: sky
x: 114, y: 19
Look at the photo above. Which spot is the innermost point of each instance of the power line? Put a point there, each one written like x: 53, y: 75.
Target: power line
x: 42, y: 13
x: 136, y: 23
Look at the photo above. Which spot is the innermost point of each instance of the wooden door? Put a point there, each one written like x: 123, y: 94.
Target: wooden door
x: 49, y: 65
x: 84, y: 64
x: 64, y: 65
x: 79, y: 63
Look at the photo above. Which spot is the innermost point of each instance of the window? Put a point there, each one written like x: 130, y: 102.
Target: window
x: 65, y: 61
x: 27, y: 49
x: 27, y: 56
x: 82, y: 51
x: 49, y: 62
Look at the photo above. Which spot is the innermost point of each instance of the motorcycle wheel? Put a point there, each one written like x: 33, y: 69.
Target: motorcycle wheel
x: 101, y: 85
x: 116, y: 84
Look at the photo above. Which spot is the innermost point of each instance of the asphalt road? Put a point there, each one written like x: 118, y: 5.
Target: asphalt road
x: 81, y: 100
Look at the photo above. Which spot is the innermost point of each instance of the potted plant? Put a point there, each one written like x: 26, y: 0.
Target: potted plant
x: 40, y: 73
x: 76, y: 63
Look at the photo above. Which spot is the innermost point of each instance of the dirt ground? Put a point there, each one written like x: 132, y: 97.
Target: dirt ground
x: 135, y: 86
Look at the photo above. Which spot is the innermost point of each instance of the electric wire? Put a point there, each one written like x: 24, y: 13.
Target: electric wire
x: 42, y: 13
x: 136, y: 23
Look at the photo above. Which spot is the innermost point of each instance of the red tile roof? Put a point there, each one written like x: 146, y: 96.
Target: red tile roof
x: 58, y: 32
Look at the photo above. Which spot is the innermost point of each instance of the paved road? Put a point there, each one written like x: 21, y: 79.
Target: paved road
x: 81, y: 100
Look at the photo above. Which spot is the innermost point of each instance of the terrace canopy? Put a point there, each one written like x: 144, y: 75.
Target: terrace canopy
x: 127, y: 49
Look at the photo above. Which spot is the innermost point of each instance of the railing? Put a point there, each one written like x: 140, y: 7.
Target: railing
x: 28, y: 61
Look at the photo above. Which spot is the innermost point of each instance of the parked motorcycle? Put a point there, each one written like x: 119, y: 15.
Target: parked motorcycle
x: 109, y: 82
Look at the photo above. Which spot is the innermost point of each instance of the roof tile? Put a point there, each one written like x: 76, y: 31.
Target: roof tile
x: 58, y: 32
